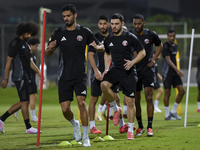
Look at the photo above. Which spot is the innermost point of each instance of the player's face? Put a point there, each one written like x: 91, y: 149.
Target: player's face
x: 69, y: 18
x: 171, y: 37
x: 138, y: 25
x: 103, y: 26
x: 116, y: 26
x: 26, y: 36
x: 34, y: 47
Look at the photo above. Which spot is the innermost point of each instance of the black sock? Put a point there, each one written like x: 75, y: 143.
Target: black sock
x: 5, y: 116
x: 27, y: 123
x: 139, y: 120
x: 150, y: 120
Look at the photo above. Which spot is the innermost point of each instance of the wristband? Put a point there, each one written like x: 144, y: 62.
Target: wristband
x: 5, y: 79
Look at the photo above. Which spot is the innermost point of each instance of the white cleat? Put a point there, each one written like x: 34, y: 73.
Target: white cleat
x: 175, y: 116
x: 2, y: 127
x: 86, y: 142
x: 156, y: 109
x: 16, y: 115
x: 77, y: 132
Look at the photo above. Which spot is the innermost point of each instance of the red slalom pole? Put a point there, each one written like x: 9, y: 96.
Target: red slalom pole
x: 107, y: 118
x: 41, y: 78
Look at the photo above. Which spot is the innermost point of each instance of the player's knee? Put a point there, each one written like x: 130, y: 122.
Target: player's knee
x: 182, y: 92
x: 82, y: 104
x: 104, y: 86
x: 66, y: 110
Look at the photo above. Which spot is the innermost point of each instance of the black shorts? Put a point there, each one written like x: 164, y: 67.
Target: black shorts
x: 127, y: 79
x: 66, y: 89
x: 145, y: 79
x: 23, y: 90
x: 172, y: 80
x: 156, y: 85
x: 96, y: 88
x: 32, y: 87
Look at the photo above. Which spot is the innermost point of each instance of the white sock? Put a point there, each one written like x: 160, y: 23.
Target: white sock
x: 174, y: 108
x: 130, y: 127
x: 125, y: 109
x: 166, y: 111
x: 121, y: 123
x: 198, y: 105
x: 74, y: 122
x: 100, y: 108
x: 114, y: 106
x: 156, y: 103
x: 92, y: 124
x: 104, y: 108
x: 32, y: 113
x: 85, y: 132
x: 110, y: 111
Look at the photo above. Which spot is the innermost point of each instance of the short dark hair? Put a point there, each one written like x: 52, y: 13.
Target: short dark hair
x: 171, y: 31
x: 70, y: 7
x: 33, y: 41
x: 139, y: 16
x: 27, y: 27
x: 104, y: 17
x: 118, y: 16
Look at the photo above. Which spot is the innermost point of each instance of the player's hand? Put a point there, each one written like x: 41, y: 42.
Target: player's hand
x: 4, y: 83
x: 180, y: 73
x: 128, y: 65
x: 98, y: 75
x: 93, y: 44
x: 151, y: 62
x: 52, y: 45
x: 104, y: 73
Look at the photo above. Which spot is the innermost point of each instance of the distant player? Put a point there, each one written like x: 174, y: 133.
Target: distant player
x: 118, y: 46
x: 171, y: 76
x: 145, y: 72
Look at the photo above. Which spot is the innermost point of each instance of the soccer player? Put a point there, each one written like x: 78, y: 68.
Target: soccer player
x: 171, y: 75
x: 33, y: 42
x: 72, y: 40
x: 198, y: 82
x: 145, y: 72
x: 118, y: 46
x: 157, y: 87
x: 19, y: 57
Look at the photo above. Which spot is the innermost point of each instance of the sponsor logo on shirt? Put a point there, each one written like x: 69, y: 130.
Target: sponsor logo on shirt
x: 111, y: 44
x: 174, y: 53
x: 63, y: 39
x: 84, y: 92
x: 23, y: 46
x: 146, y: 41
x: 152, y: 84
x: 125, y: 43
x: 79, y: 38
x: 132, y: 94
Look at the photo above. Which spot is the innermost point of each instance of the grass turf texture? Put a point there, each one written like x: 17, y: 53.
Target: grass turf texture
x: 55, y: 129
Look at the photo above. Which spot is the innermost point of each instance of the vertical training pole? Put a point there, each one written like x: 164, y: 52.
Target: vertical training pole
x: 107, y: 118
x: 188, y: 80
x: 41, y: 78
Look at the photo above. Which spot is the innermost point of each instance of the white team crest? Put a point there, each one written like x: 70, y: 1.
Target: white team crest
x: 125, y: 43
x: 79, y: 38
x: 146, y: 41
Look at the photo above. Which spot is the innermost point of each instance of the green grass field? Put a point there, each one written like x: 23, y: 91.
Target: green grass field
x: 55, y: 129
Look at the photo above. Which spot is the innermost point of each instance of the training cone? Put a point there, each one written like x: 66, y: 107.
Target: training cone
x: 108, y: 138
x: 65, y: 143
x: 98, y: 139
x: 75, y: 143
x: 198, y: 125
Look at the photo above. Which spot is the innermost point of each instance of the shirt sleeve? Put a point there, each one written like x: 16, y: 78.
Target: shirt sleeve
x: 91, y: 37
x: 165, y: 51
x: 13, y: 48
x: 156, y: 39
x: 54, y: 37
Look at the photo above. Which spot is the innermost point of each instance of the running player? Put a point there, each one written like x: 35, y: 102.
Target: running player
x: 118, y: 46
x: 72, y: 40
x: 171, y: 76
x: 145, y: 72
x: 19, y: 57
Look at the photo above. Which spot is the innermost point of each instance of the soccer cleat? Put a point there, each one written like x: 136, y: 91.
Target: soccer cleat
x: 149, y: 132
x: 130, y: 136
x: 198, y: 110
x: 15, y: 115
x: 175, y: 116
x: 77, y: 132
x: 116, y: 117
x: 104, y: 116
x: 156, y: 109
x: 98, y: 116
x: 31, y: 131
x: 111, y: 117
x: 94, y: 130
x: 86, y: 142
x: 170, y: 118
x: 139, y: 131
x: 124, y: 115
x: 2, y: 127
x: 123, y: 129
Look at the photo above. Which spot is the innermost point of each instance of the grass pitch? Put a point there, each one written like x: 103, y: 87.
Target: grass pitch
x: 55, y: 129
